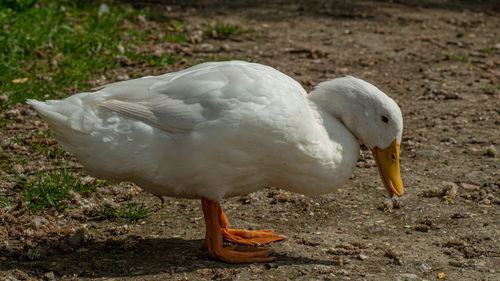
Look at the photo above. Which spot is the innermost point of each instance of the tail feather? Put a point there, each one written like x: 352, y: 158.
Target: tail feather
x: 47, y: 111
x: 61, y: 114
x: 63, y: 119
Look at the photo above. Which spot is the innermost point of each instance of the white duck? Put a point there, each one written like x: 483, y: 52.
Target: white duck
x: 223, y: 129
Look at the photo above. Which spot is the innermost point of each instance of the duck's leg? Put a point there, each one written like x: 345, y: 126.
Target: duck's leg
x: 246, y: 237
x: 213, y: 239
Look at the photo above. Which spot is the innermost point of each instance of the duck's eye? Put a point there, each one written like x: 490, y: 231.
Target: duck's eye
x: 385, y: 119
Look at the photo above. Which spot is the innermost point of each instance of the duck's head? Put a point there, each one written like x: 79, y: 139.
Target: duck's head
x: 372, y: 116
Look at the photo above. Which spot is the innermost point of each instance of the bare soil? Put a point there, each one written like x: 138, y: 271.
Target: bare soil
x: 439, y: 61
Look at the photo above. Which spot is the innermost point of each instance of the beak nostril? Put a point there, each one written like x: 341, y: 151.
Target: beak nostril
x: 393, y: 156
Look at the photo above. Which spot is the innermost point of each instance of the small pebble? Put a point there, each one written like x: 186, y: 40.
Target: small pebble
x: 396, y: 256
x: 343, y: 271
x: 4, y: 98
x: 49, y: 276
x: 362, y: 257
x: 18, y: 168
x: 491, y: 151
x: 409, y: 276
x: 470, y: 187
x: 123, y: 77
x: 482, y: 193
x: 425, y: 268
x: 87, y: 180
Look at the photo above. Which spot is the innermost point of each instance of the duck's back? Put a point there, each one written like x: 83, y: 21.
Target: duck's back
x: 208, y: 130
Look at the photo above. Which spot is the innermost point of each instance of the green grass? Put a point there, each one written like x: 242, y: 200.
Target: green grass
x: 175, y: 38
x: 178, y: 25
x: 17, y: 5
x: 227, y: 29
x: 4, y: 201
x: 55, y: 46
x: 461, y: 59
x: 129, y: 212
x: 43, y: 146
x: 8, y: 161
x: 41, y: 143
x: 153, y: 60
x: 46, y: 190
x: 488, y: 50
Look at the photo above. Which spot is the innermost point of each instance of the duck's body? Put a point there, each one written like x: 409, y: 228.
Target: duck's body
x: 213, y: 130
x: 224, y: 129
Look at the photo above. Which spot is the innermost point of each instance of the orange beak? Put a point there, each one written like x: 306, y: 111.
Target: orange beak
x: 388, y: 166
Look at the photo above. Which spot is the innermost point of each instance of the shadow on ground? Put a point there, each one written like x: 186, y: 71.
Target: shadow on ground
x: 135, y: 256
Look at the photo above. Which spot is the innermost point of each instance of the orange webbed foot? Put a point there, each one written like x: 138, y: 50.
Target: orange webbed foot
x: 250, y: 237
x: 235, y: 254
x: 217, y: 229
x: 246, y: 237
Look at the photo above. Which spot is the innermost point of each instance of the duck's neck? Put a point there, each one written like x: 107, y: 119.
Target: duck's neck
x: 326, y: 162
x: 343, y: 107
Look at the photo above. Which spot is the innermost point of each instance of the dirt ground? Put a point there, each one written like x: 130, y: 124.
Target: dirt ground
x: 440, y: 62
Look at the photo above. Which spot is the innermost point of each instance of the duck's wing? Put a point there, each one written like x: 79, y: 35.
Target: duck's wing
x: 180, y: 101
x: 167, y: 114
x: 172, y: 102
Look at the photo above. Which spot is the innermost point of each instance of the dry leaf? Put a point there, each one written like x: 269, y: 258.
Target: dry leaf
x: 20, y: 80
